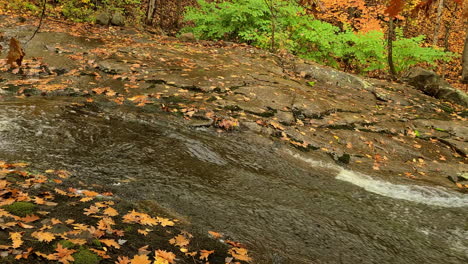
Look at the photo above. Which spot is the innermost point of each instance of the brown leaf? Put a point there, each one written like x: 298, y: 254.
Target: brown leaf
x: 204, y: 254
x: 215, y: 234
x: 64, y: 255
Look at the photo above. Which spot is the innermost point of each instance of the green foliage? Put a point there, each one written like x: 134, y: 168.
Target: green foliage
x: 246, y: 21
x: 85, y: 256
x: 20, y: 208
x: 251, y: 21
x: 409, y: 52
x: 66, y: 244
x: 77, y: 10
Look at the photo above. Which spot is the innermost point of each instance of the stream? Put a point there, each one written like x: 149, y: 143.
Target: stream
x: 285, y: 206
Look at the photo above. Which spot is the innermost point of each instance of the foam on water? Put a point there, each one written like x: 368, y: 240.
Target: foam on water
x: 437, y: 196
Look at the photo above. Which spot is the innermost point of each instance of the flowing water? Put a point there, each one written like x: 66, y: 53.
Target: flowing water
x: 286, y: 206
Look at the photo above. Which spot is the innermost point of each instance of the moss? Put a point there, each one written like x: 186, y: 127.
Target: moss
x: 20, y: 208
x: 97, y: 243
x: 85, y: 256
x: 66, y: 244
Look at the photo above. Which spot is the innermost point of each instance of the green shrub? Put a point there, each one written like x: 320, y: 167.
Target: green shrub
x: 409, y: 52
x: 250, y: 21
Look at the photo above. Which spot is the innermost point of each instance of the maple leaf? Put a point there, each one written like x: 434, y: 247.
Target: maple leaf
x: 122, y: 260
x: 215, y: 235
x: 43, y: 236
x: 77, y: 241
x: 24, y: 254
x: 16, y: 238
x: 204, y: 254
x: 162, y: 256
x: 240, y: 254
x: 110, y: 243
x: 64, y: 255
x: 91, y: 210
x: 165, y: 221
x: 140, y: 259
x: 110, y: 211
x: 101, y: 253
x: 30, y: 218
x: 180, y: 241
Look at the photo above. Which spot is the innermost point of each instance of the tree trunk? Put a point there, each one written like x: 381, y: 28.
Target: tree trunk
x: 150, y: 12
x: 390, y: 37
x: 440, y: 10
x: 465, y: 59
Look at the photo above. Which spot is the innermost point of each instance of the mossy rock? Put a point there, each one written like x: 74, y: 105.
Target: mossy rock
x: 85, y: 256
x: 66, y: 244
x: 20, y: 208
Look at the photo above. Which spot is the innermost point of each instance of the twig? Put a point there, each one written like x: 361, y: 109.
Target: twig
x: 40, y: 22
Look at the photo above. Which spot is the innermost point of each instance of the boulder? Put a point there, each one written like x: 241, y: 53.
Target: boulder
x: 286, y: 118
x: 112, y: 67
x: 118, y: 19
x: 103, y: 18
x: 309, y: 70
x: 433, y: 85
x: 187, y: 37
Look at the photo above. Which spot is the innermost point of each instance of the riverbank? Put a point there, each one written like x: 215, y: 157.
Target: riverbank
x: 204, y: 129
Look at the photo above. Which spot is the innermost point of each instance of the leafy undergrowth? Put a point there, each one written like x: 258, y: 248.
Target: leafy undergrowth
x: 44, y: 220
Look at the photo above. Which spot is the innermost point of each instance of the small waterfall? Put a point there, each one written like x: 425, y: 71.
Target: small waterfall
x: 437, y: 196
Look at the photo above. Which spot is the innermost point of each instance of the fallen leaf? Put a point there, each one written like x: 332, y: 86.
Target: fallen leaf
x: 204, y: 254
x: 43, y: 236
x: 140, y: 259
x: 16, y: 238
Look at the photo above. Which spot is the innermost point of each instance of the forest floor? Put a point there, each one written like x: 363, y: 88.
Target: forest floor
x: 391, y: 131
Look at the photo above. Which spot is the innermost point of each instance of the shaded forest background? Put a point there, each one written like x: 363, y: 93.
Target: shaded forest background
x: 442, y: 22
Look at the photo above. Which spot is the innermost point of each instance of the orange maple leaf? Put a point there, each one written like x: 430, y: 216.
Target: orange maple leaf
x: 180, y: 241
x: 162, y: 256
x: 16, y: 238
x: 64, y: 255
x: 110, y: 243
x: 215, y: 235
x: 140, y: 259
x: 110, y: 211
x: 240, y: 254
x: 43, y: 236
x: 122, y: 260
x: 204, y: 254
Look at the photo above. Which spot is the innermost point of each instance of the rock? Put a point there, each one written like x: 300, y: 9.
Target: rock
x: 118, y: 19
x: 187, y: 37
x: 326, y: 74
x: 112, y: 67
x: 433, y: 85
x: 286, y: 118
x: 103, y: 18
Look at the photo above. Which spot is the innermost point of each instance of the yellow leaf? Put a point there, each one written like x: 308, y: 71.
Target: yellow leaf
x: 110, y: 211
x: 204, y: 254
x: 43, y: 236
x: 140, y: 259
x: 16, y: 238
x: 180, y: 241
x: 110, y: 243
